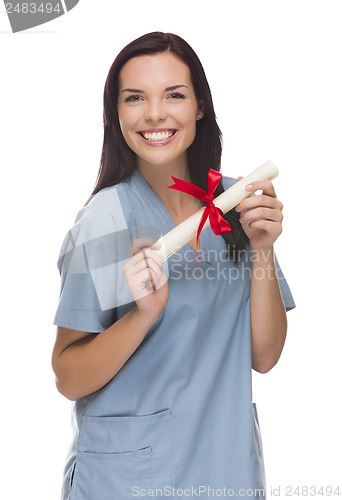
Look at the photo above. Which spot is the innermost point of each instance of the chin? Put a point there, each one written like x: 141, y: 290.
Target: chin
x: 159, y: 161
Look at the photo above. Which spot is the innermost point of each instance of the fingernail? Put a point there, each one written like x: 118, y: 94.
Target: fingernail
x: 237, y: 208
x: 156, y: 245
x: 249, y: 187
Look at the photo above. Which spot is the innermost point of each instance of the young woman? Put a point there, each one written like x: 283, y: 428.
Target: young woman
x: 158, y: 357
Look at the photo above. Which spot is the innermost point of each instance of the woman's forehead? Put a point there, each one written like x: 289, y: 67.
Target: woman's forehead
x: 157, y: 70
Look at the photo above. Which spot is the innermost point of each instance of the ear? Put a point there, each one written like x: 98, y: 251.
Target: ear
x: 200, y: 111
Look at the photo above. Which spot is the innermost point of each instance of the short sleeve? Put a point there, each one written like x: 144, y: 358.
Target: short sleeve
x: 80, y: 306
x: 284, y: 288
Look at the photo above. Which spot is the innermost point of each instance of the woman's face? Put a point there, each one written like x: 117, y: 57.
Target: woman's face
x: 157, y: 108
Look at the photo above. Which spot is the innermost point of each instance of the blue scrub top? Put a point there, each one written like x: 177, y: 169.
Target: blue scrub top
x: 177, y: 420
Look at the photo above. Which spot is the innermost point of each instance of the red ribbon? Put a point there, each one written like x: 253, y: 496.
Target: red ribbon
x: 218, y: 224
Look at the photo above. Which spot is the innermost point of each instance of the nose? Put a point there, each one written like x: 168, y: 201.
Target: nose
x: 155, y: 111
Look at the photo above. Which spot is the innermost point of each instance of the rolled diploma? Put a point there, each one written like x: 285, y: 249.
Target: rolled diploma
x: 184, y: 232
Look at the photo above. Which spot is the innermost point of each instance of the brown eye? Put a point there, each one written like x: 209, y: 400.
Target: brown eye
x: 176, y: 95
x: 133, y: 98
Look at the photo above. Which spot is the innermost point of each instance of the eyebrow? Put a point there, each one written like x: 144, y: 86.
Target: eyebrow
x: 168, y: 89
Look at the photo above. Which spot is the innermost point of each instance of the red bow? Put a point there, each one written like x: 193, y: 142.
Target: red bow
x: 218, y: 224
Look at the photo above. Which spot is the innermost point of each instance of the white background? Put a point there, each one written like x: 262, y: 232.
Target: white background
x: 274, y: 70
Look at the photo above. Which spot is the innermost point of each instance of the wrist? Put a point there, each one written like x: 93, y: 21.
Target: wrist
x: 263, y: 256
x: 144, y: 318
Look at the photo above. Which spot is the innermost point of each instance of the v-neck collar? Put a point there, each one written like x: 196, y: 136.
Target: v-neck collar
x: 141, y: 183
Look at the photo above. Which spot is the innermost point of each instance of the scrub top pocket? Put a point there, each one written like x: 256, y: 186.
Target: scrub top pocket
x: 116, y: 454
x: 107, y: 476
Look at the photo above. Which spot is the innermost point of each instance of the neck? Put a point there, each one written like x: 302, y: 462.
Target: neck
x: 159, y: 178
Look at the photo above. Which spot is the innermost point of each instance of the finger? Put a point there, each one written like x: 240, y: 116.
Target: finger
x: 154, y: 270
x: 140, y: 243
x: 135, y: 260
x: 159, y: 281
x: 139, y: 263
x: 143, y: 288
x: 146, y: 289
x: 159, y: 277
x: 149, y: 270
x: 150, y: 254
x: 261, y: 213
x: 151, y: 280
x: 139, y: 257
x: 239, y: 178
x: 266, y: 186
x: 146, y: 257
x: 145, y: 279
x: 270, y: 227
x: 259, y: 200
x: 154, y: 282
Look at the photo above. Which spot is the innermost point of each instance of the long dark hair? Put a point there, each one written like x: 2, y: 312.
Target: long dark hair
x: 118, y: 161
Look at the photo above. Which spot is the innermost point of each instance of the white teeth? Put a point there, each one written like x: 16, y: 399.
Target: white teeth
x: 157, y: 136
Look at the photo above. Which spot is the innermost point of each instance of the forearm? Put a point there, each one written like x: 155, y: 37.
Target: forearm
x: 88, y: 365
x: 268, y: 315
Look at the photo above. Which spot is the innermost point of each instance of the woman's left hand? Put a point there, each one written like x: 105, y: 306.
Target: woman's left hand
x: 261, y: 215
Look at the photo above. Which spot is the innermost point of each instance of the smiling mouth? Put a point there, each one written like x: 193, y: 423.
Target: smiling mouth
x: 158, y: 136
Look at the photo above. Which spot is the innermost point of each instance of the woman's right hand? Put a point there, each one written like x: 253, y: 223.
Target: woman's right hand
x: 146, y: 279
